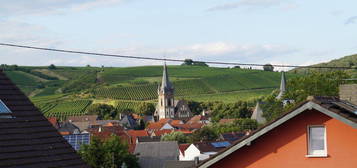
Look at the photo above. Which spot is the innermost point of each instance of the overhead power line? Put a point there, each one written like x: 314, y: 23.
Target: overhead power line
x: 163, y: 59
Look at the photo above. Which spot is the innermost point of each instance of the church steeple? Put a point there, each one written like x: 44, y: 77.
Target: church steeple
x: 166, y: 101
x: 166, y: 85
x: 258, y: 114
x: 282, y: 86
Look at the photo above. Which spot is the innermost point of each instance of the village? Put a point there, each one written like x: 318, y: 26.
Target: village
x: 178, y: 84
x: 166, y: 139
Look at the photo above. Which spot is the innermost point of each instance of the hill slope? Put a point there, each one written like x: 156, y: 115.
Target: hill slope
x: 347, y: 61
x: 54, y: 91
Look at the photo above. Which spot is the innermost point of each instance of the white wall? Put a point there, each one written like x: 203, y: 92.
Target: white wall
x: 191, y: 152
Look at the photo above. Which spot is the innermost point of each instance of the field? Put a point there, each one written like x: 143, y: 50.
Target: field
x: 72, y: 89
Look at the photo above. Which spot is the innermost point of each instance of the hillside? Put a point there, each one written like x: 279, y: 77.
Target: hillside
x: 347, y: 61
x: 67, y: 91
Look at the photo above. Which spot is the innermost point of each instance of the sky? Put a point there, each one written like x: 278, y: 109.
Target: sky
x: 288, y: 32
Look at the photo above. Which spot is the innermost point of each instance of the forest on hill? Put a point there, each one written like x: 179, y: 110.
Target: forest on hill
x: 347, y: 61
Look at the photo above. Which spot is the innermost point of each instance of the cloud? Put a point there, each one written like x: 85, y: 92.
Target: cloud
x: 40, y: 7
x: 247, y: 3
x: 351, y: 20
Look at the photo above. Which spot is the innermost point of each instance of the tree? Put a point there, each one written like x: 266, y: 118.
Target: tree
x: 175, y: 136
x: 52, y: 66
x: 200, y: 64
x: 195, y: 107
x: 104, y: 111
x: 268, y: 67
x: 187, y: 62
x: 204, y: 134
x: 146, y: 108
x: 109, y: 153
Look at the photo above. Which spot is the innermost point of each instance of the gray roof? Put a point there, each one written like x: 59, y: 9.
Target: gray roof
x: 166, y: 85
x: 128, y: 122
x: 258, y: 114
x: 155, y: 154
x: 179, y: 164
x: 282, y: 86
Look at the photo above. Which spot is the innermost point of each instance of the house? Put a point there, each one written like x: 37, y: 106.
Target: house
x: 320, y: 132
x: 179, y: 164
x: 27, y: 138
x: 128, y: 122
x: 76, y: 140
x: 167, y: 106
x: 155, y: 154
x: 161, y: 132
x: 148, y: 139
x: 156, y: 126
x: 203, y: 119
x: 203, y: 150
x: 231, y: 136
x: 67, y: 128
x: 53, y: 121
x: 134, y: 134
x: 183, y: 148
x: 83, y: 118
x: 105, y: 132
x: 189, y: 127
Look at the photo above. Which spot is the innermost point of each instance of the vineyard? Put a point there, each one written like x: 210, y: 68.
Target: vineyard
x: 144, y: 92
x: 125, y: 106
x: 62, y: 110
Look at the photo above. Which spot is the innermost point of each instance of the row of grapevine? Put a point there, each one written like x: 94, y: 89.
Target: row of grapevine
x: 63, y: 109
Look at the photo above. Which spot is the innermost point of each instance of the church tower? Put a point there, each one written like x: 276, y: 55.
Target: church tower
x: 282, y: 86
x: 166, y: 105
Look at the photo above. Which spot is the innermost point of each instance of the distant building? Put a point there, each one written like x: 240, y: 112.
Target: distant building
x: 167, y: 107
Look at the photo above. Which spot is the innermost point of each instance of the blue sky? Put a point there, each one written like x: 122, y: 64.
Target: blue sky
x: 247, y: 31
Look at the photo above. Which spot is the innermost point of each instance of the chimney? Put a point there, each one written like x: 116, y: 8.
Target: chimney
x: 197, y: 160
x: 348, y: 92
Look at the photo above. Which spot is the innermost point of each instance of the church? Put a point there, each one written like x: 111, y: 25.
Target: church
x: 167, y: 106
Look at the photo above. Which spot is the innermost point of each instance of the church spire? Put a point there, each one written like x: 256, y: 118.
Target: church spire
x: 165, y: 83
x: 258, y: 114
x: 282, y: 86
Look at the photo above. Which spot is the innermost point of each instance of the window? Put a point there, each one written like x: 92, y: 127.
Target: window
x: 317, y: 141
x: 3, y: 108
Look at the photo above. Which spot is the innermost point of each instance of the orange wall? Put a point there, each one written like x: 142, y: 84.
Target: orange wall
x: 286, y: 146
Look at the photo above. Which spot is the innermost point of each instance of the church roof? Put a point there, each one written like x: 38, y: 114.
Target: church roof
x: 166, y: 85
x: 282, y: 86
x: 27, y: 138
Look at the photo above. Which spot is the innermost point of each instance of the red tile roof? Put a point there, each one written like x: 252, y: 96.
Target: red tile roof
x: 136, y: 133
x: 162, y: 132
x: 53, y: 121
x: 155, y: 126
x: 183, y: 147
x: 227, y: 121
